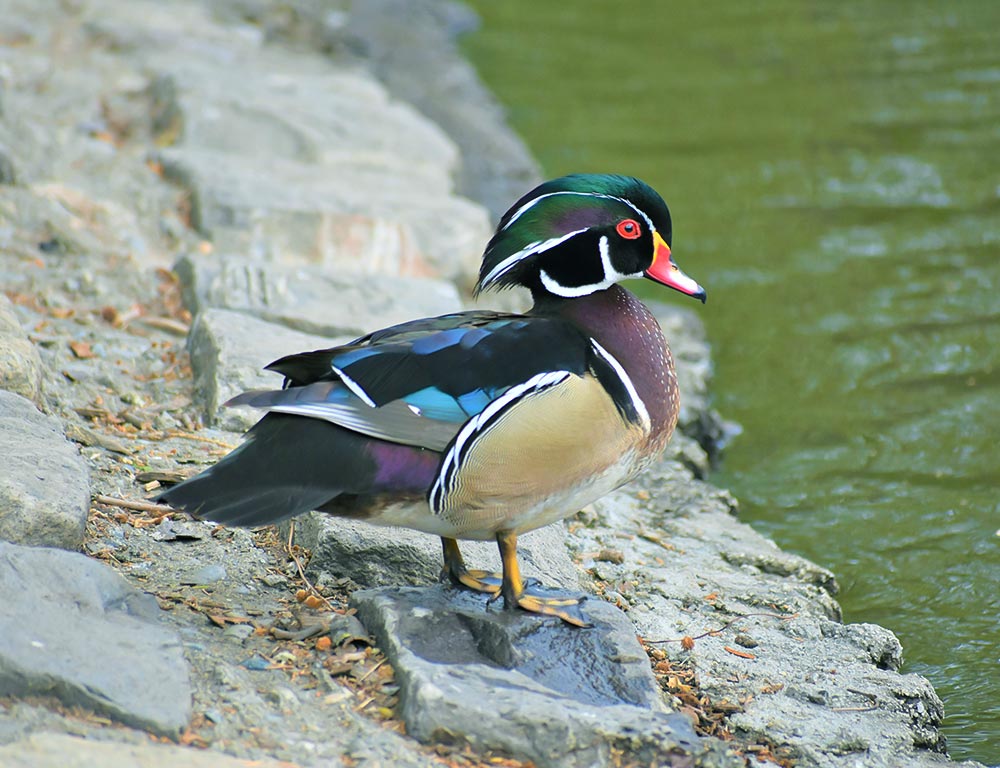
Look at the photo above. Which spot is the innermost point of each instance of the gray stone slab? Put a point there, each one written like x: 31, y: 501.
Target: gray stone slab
x: 228, y: 353
x: 44, y: 486
x: 410, y: 46
x: 531, y: 686
x: 20, y: 365
x: 353, y: 153
x: 311, y: 299
x: 74, y: 629
x: 56, y: 750
x: 237, y: 202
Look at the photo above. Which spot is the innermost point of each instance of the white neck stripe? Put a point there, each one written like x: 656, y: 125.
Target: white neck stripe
x: 637, y: 403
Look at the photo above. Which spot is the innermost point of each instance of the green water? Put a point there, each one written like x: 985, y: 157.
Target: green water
x: 834, y: 174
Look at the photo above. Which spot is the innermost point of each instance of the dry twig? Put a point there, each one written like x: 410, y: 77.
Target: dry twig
x: 289, y: 548
x: 138, y: 506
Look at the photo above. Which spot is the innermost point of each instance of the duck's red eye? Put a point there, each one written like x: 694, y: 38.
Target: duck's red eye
x: 629, y: 229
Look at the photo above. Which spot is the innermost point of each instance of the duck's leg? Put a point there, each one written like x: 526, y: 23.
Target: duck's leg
x: 531, y: 597
x: 454, y: 569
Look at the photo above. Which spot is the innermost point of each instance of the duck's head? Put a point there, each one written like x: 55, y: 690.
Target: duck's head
x: 581, y: 234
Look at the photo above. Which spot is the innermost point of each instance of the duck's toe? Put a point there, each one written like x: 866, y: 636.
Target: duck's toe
x: 480, y: 581
x: 538, y: 599
x: 454, y: 570
x: 566, y: 608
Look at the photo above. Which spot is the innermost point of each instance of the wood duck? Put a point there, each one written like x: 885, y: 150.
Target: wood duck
x: 480, y: 425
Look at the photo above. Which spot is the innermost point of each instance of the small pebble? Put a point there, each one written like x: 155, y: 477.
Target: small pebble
x: 170, y: 530
x: 98, y: 547
x: 256, y: 664
x: 346, y: 628
x: 615, y: 556
x: 207, y: 575
x: 613, y: 597
x: 238, y: 632
x: 283, y: 697
x: 274, y: 579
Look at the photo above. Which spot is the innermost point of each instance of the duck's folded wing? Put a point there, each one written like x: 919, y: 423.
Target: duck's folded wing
x: 418, y: 383
x: 396, y: 422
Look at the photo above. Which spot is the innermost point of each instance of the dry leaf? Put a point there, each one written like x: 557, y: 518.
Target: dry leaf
x: 81, y: 349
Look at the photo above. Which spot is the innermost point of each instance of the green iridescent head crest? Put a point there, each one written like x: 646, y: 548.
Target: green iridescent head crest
x: 562, y: 223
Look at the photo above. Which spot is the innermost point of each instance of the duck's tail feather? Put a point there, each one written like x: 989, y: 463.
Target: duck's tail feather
x: 288, y: 465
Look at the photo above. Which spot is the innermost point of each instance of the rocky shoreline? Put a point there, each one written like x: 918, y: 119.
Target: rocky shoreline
x: 190, y: 190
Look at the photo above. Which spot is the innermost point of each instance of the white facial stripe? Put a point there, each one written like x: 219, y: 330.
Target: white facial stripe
x: 445, y: 482
x: 638, y: 210
x: 637, y: 403
x: 531, y: 203
x: 610, y: 273
x: 352, y: 385
x: 611, y: 276
x: 605, y: 249
x: 528, y: 205
x: 571, y: 291
x: 528, y: 250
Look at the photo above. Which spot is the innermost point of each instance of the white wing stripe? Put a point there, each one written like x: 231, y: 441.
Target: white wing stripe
x: 352, y: 385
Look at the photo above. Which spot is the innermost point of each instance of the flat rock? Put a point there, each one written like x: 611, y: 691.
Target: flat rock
x: 238, y: 202
x: 311, y: 299
x: 410, y: 46
x: 20, y: 365
x: 230, y: 346
x: 354, y: 152
x: 228, y: 353
x: 490, y: 677
x: 74, y: 629
x: 44, y: 486
x: 56, y: 750
x: 376, y: 556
